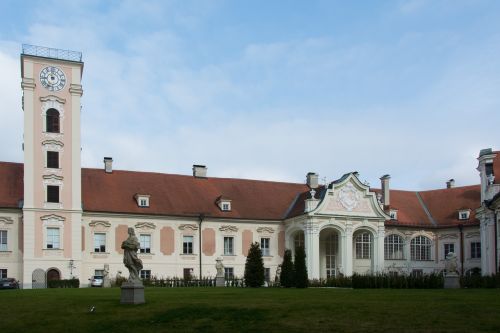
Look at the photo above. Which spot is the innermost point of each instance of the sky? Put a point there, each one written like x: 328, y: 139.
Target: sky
x: 272, y: 89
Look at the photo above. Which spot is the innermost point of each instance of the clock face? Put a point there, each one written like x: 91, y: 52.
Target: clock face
x: 52, y: 78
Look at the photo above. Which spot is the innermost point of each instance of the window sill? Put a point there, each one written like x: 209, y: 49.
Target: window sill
x: 99, y: 253
x: 401, y: 259
x: 188, y: 254
x: 52, y: 205
x: 228, y: 255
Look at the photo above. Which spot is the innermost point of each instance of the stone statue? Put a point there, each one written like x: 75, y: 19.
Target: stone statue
x: 278, y: 274
x: 451, y: 263
x: 106, y: 281
x: 130, y: 259
x: 219, y: 266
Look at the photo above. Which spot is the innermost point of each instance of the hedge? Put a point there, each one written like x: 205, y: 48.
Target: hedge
x: 70, y: 283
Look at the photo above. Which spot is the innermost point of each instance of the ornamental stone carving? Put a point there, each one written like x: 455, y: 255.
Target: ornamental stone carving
x: 472, y: 234
x: 448, y: 236
x: 145, y: 225
x: 188, y: 227
x: 97, y: 223
x: 230, y: 228
x: 349, y: 197
x: 265, y: 229
x: 6, y: 220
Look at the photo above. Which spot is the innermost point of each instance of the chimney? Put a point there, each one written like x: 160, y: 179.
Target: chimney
x: 312, y: 180
x: 385, y: 190
x: 108, y: 164
x: 199, y: 171
x: 450, y: 183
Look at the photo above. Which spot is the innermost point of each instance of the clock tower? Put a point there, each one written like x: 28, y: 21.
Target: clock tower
x: 52, y: 208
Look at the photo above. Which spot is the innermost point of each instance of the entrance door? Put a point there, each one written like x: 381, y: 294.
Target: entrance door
x: 53, y: 274
x: 331, y: 247
x: 38, y: 279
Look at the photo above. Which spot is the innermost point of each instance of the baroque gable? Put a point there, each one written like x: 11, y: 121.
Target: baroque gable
x: 349, y: 197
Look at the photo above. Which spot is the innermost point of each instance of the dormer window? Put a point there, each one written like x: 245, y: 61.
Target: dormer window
x: 224, y: 204
x: 464, y: 214
x: 393, y: 213
x: 142, y: 200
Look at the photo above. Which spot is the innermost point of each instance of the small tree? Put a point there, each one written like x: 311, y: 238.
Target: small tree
x: 301, y: 279
x: 254, y: 267
x: 287, y: 271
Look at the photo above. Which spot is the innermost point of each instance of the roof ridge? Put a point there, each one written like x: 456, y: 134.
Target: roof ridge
x: 426, y: 209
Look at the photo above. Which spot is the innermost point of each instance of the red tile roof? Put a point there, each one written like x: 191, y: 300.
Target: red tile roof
x: 179, y: 195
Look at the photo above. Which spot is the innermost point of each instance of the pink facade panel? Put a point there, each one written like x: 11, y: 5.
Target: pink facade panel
x: 83, y: 238
x: 167, y: 241
x: 121, y: 234
x: 67, y: 238
x: 247, y: 239
x: 20, y: 235
x: 208, y: 236
x: 281, y: 243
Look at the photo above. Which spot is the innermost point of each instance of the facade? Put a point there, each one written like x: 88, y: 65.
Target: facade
x: 59, y: 220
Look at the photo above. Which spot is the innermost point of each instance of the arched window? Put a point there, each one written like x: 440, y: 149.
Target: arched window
x: 52, y: 121
x: 420, y: 248
x: 363, y: 246
x: 298, y: 240
x: 394, y: 247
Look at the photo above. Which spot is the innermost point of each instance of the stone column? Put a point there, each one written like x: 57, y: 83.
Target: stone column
x: 311, y: 236
x: 379, y: 245
x: 347, y: 250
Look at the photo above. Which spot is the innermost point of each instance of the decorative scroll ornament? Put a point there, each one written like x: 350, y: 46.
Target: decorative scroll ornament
x: 265, y: 229
x: 188, y: 227
x: 53, y: 217
x: 449, y: 236
x: 472, y: 234
x: 145, y: 225
x: 96, y: 223
x: 228, y: 228
x: 349, y: 197
x: 6, y: 220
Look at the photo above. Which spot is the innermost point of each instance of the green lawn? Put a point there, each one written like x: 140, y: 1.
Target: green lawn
x: 251, y: 310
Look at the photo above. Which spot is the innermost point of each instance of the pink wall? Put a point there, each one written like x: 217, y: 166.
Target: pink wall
x: 83, y: 238
x: 281, y: 243
x: 20, y: 235
x: 247, y: 239
x: 208, y: 236
x: 121, y: 234
x: 167, y: 241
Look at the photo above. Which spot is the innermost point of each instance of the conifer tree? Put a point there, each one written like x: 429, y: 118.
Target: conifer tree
x: 287, y: 271
x: 254, y: 267
x: 301, y: 279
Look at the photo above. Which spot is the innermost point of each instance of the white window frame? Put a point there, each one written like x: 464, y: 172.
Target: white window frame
x: 228, y: 273
x: 186, y: 248
x: 464, y: 214
x: 393, y: 214
x: 142, y: 200
x: 363, y: 245
x: 4, y: 245
x: 145, y: 274
x: 420, y: 248
x: 394, y: 247
x: 265, y: 246
x: 145, y: 243
x: 475, y: 253
x: 53, y: 241
x: 228, y: 245
x: 99, y: 243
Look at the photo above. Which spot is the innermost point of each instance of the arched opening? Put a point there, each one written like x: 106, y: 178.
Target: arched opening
x: 53, y: 274
x: 420, y: 248
x: 363, y: 252
x: 298, y: 240
x: 52, y: 121
x: 38, y: 279
x: 330, y: 262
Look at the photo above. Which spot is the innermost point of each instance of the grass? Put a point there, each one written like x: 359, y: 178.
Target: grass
x: 252, y: 310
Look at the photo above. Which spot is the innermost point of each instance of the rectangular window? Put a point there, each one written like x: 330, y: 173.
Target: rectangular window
x: 53, y: 238
x: 145, y: 274
x: 3, y: 240
x: 188, y: 273
x: 448, y: 247
x: 267, y: 274
x: 363, y: 246
x: 99, y: 272
x: 475, y: 250
x: 264, y: 246
x: 52, y: 193
x: 3, y: 273
x: 53, y: 159
x: 145, y: 241
x: 99, y: 242
x: 417, y: 273
x: 187, y: 245
x: 228, y: 246
x: 228, y: 273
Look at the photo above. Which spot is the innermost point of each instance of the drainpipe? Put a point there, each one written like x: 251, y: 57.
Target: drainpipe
x: 496, y: 243
x: 201, y: 217
x: 461, y: 228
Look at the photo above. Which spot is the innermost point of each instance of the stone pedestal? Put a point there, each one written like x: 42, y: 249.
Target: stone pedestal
x: 220, y: 282
x: 451, y: 281
x: 106, y: 283
x: 132, y: 293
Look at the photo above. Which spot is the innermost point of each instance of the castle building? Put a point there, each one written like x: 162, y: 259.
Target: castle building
x: 59, y: 220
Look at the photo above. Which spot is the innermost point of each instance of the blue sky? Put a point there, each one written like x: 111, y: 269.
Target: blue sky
x: 273, y: 89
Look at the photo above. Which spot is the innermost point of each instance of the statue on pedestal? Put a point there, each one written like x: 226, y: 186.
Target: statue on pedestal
x: 130, y: 259
x: 451, y: 264
x: 106, y: 281
x: 220, y: 280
